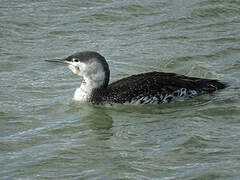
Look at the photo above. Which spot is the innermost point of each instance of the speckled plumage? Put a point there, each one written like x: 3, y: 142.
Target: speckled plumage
x: 156, y: 87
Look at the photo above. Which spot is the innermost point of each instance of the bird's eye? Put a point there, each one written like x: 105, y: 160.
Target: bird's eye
x: 75, y: 60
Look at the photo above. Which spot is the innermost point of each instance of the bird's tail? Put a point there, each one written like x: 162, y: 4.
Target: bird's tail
x: 213, y: 85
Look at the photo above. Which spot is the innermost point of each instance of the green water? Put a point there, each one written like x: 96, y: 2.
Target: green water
x: 46, y: 135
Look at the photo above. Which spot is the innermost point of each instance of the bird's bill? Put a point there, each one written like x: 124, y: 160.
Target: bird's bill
x: 61, y: 61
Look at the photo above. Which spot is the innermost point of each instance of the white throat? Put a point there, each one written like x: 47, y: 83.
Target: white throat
x: 83, y: 93
x: 93, y: 77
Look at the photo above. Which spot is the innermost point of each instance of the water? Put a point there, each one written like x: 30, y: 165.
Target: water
x: 45, y: 135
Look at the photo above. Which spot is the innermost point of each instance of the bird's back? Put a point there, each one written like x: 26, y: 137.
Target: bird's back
x: 158, y: 87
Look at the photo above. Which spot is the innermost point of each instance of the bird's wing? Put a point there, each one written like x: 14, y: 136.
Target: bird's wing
x: 155, y: 84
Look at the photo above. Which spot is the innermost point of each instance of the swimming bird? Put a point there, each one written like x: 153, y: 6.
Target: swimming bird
x: 151, y: 87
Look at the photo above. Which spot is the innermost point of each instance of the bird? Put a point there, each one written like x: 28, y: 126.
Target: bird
x: 145, y: 88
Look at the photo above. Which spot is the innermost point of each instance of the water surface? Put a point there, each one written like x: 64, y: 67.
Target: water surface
x: 46, y: 135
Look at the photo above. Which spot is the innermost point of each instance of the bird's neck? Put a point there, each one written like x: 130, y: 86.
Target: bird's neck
x: 89, y: 90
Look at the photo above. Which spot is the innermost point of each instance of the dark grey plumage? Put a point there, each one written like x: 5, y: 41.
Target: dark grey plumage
x: 157, y: 87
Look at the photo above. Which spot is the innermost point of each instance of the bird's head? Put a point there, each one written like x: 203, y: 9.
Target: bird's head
x: 90, y: 65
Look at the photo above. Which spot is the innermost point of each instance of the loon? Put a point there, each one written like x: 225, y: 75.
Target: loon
x: 146, y: 88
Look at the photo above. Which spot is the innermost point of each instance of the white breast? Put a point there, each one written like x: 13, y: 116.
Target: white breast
x: 81, y: 95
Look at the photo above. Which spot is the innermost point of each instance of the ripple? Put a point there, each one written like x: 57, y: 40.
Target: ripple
x: 45, y: 135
